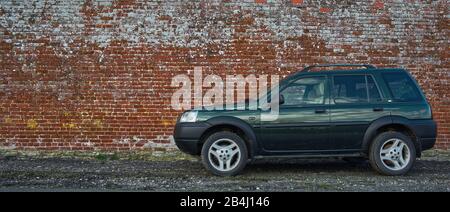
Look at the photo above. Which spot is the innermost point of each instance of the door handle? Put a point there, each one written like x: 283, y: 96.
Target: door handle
x: 321, y: 111
x: 377, y: 109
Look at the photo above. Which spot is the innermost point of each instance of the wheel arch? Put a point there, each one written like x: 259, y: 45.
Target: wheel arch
x: 236, y: 125
x: 390, y: 123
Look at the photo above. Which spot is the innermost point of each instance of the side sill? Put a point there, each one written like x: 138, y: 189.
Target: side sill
x: 311, y: 156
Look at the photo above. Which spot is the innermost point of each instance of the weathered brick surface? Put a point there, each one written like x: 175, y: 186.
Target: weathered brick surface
x: 96, y: 74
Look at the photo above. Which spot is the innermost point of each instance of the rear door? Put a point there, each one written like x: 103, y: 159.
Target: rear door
x: 356, y: 101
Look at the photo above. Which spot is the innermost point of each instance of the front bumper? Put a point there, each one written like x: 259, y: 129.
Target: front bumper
x: 187, y: 136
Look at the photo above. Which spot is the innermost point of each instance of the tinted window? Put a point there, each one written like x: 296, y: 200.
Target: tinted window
x: 402, y: 88
x: 374, y: 93
x: 310, y: 90
x: 350, y: 89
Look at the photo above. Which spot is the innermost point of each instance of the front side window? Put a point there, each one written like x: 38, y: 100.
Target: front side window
x: 305, y: 91
x: 401, y: 87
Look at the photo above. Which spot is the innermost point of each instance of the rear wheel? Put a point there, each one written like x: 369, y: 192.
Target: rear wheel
x: 392, y: 153
x: 224, y: 154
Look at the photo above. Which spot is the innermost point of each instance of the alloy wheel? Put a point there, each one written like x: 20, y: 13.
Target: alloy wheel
x: 395, y: 154
x: 224, y: 154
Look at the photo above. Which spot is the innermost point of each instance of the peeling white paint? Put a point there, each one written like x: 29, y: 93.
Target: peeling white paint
x: 137, y: 141
x: 191, y: 27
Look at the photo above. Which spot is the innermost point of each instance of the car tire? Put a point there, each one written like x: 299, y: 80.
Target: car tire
x: 224, y: 154
x: 392, y: 153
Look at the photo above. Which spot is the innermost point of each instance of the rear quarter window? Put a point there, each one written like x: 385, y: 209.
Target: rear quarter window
x: 401, y: 87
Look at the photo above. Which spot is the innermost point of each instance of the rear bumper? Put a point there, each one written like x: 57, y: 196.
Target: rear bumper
x: 426, y: 132
x: 187, y: 136
x: 427, y: 143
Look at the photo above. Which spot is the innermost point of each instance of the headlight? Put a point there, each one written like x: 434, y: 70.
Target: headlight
x: 190, y: 116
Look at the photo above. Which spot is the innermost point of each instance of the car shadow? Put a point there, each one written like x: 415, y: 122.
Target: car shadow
x: 336, y: 165
x: 306, y: 165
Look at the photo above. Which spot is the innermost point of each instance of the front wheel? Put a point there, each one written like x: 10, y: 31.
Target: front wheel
x: 224, y: 154
x: 392, y: 153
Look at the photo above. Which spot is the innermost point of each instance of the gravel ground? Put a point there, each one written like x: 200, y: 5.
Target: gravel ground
x: 36, y: 173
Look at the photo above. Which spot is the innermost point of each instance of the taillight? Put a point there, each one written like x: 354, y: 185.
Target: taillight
x: 431, y: 110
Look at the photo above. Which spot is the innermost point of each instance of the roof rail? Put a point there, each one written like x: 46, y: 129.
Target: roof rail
x: 308, y: 68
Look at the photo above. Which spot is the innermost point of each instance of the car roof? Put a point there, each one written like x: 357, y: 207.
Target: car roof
x: 349, y: 71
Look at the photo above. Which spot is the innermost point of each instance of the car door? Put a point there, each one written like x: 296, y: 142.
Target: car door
x: 303, y: 120
x: 355, y: 102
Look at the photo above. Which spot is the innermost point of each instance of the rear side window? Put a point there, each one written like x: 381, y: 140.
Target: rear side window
x: 355, y: 89
x: 401, y: 87
x: 350, y: 89
x: 374, y: 93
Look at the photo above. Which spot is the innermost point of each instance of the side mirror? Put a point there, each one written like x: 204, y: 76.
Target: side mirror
x: 281, y: 100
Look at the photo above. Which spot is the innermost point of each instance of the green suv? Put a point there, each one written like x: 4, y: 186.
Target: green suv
x: 367, y: 113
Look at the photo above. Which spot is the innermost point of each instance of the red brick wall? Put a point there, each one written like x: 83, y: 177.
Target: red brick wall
x: 96, y: 74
